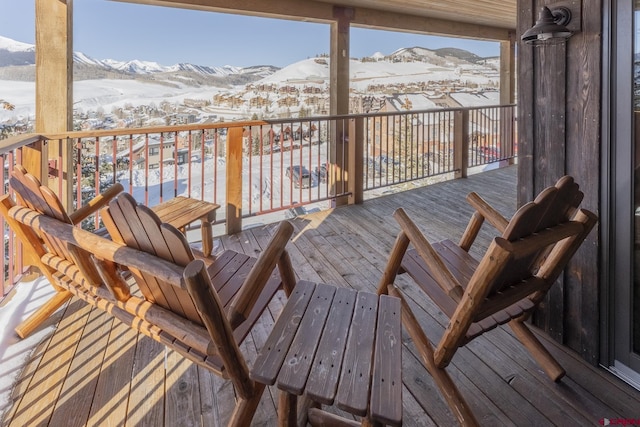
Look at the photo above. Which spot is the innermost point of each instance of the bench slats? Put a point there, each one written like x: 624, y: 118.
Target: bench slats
x: 297, y: 364
x: 323, y: 380
x: 386, y: 384
x: 353, y: 392
x: 271, y: 357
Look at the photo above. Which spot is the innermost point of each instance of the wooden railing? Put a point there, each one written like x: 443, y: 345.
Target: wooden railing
x: 259, y: 169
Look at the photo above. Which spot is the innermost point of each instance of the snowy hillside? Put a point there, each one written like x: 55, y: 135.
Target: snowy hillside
x: 382, y: 72
x: 241, y: 93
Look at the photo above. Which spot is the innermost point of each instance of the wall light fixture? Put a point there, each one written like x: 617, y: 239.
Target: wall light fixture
x: 550, y: 28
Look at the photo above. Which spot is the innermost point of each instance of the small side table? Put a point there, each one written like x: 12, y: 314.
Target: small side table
x: 338, y: 346
x: 182, y: 211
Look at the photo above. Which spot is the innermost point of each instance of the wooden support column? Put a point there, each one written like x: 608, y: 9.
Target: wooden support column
x: 339, y: 100
x: 507, y: 94
x: 234, y: 180
x: 54, y: 96
x: 558, y: 124
x: 508, y: 70
x: 355, y: 172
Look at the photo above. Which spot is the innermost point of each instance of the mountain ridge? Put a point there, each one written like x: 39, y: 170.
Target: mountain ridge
x: 17, y: 60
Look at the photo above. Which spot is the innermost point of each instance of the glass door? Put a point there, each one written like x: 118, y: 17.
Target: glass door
x: 623, y: 334
x: 634, y: 299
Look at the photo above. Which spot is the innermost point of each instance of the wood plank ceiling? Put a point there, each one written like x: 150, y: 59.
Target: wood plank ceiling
x: 481, y: 19
x: 492, y: 13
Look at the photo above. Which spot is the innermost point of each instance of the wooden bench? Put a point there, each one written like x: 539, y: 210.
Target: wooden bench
x: 201, y: 308
x: 336, y: 346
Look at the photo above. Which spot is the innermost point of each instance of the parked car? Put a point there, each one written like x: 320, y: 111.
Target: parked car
x: 300, y: 176
x: 321, y: 172
x: 375, y: 168
x: 388, y: 160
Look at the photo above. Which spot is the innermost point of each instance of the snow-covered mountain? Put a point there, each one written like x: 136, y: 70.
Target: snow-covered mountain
x: 15, y: 46
x: 14, y: 53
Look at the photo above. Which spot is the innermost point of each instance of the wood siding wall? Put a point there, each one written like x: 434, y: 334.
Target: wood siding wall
x: 559, y: 113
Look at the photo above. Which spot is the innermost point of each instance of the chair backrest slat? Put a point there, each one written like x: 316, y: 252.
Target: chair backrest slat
x: 139, y: 227
x: 553, y: 207
x: 31, y: 193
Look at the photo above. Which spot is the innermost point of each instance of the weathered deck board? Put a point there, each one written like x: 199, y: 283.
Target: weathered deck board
x: 115, y: 382
x: 80, y: 383
x: 37, y: 405
x: 97, y: 370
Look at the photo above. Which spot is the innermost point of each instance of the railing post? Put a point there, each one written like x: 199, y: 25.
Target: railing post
x: 234, y: 180
x: 338, y: 158
x: 507, y: 133
x: 355, y: 172
x: 461, y: 143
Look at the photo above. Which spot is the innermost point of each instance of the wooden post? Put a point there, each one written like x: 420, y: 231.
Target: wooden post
x: 339, y: 64
x: 507, y: 96
x: 234, y: 180
x: 508, y: 70
x: 54, y: 92
x: 461, y: 143
x: 355, y: 178
x: 339, y: 99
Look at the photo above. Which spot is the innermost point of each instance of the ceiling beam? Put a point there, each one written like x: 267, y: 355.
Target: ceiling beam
x: 317, y: 11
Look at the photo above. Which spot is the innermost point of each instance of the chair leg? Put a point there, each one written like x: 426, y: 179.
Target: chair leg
x: 540, y: 354
x: 246, y: 408
x: 395, y: 262
x: 287, y: 409
x: 449, y: 391
x: 32, y: 322
x: 320, y: 418
x: 305, y: 405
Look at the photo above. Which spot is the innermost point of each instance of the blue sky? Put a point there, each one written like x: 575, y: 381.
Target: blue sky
x: 124, y: 31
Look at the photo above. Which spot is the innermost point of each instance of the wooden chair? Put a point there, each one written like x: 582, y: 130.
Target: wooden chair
x: 503, y: 287
x: 202, y: 309
x: 31, y: 193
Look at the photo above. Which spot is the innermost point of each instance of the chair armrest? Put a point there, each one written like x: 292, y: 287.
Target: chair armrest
x: 258, y: 277
x: 484, y: 211
x: 96, y: 203
x: 445, y: 279
x: 494, y: 217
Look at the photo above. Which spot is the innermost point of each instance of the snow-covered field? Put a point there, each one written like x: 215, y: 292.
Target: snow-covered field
x: 105, y: 94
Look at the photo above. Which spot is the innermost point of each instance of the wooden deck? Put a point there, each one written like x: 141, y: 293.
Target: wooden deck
x: 94, y: 371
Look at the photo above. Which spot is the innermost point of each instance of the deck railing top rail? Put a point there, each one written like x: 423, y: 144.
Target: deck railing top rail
x: 17, y: 141
x: 262, y: 170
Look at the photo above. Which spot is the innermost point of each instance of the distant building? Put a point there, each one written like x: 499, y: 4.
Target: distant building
x: 153, y: 151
